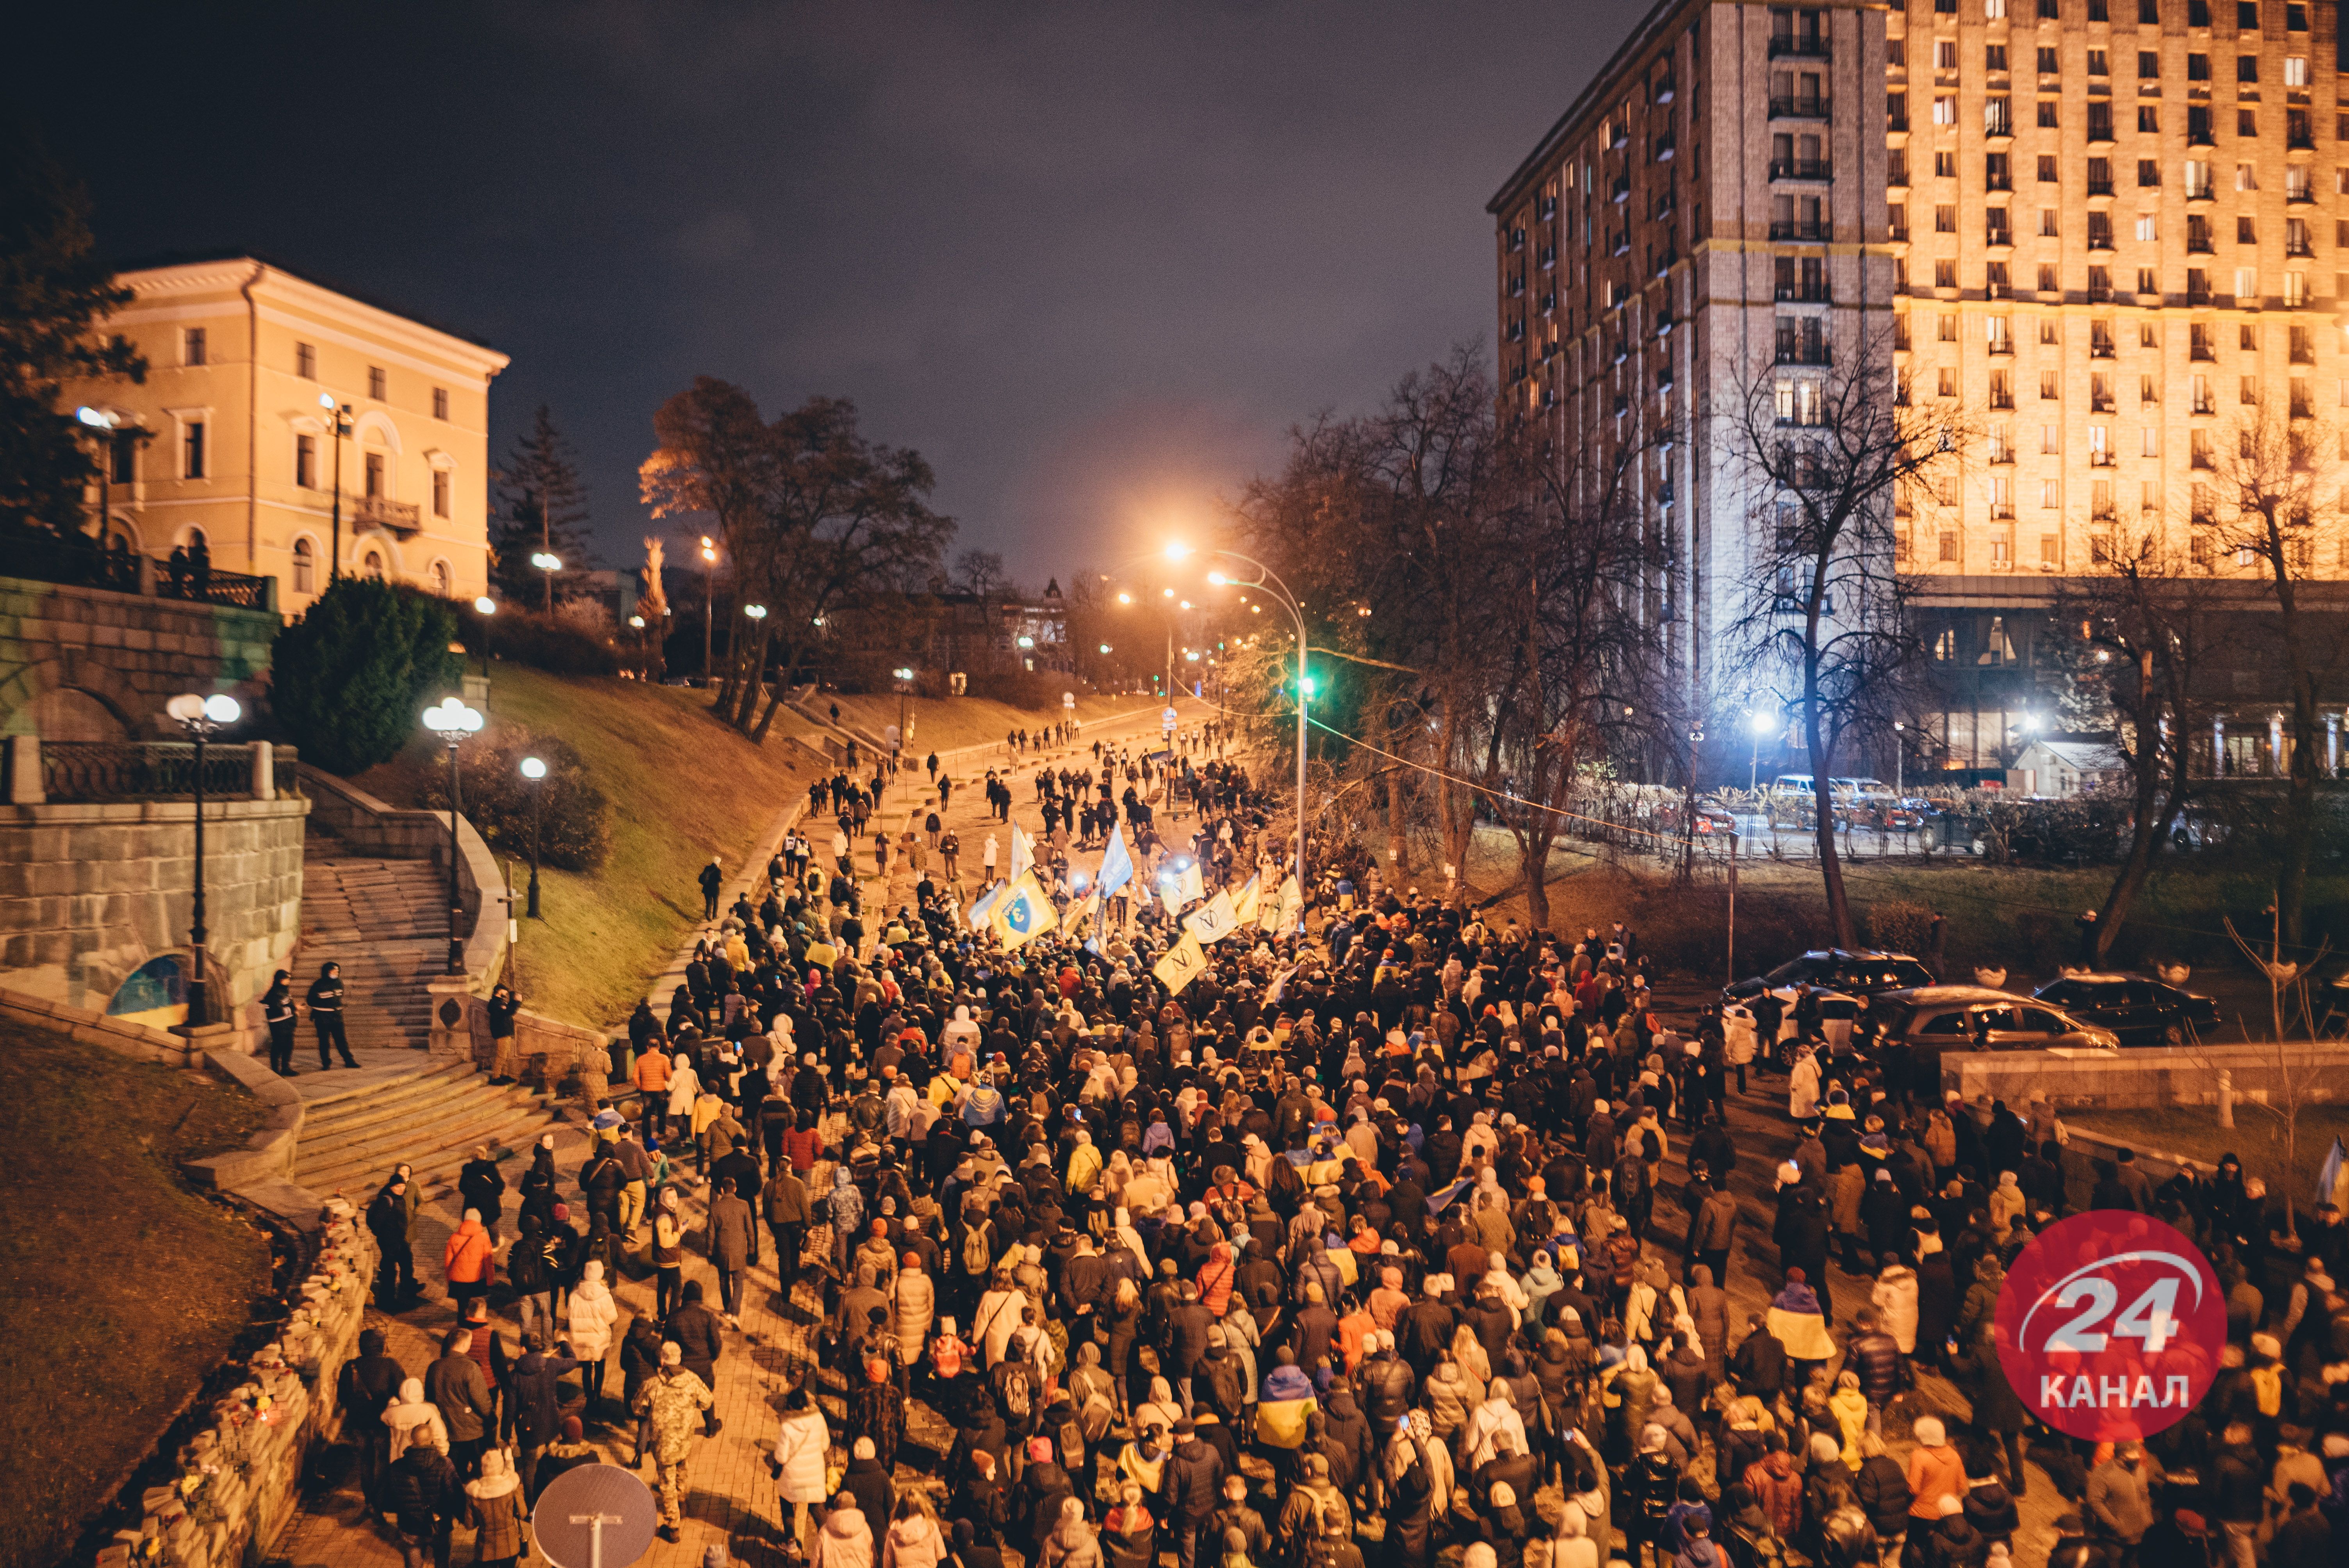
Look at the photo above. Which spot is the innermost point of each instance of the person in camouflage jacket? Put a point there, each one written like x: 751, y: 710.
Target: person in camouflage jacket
x: 672, y: 1401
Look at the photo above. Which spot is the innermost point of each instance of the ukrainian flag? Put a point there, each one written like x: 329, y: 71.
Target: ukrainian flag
x: 1022, y: 913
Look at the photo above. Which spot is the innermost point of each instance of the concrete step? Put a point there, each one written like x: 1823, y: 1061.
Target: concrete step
x: 435, y: 1167
x: 400, y: 1097
x: 434, y: 1143
x: 454, y: 1090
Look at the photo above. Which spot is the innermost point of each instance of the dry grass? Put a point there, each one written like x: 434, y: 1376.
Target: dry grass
x: 125, y: 1288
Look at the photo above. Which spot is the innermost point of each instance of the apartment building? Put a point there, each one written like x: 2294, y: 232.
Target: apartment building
x: 273, y: 407
x: 2104, y: 230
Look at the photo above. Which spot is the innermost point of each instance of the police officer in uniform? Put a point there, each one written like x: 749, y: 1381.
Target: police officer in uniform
x: 277, y: 1014
x: 325, y: 1001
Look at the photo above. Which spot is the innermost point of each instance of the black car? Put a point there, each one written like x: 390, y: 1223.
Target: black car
x: 2142, y: 1012
x: 1856, y: 972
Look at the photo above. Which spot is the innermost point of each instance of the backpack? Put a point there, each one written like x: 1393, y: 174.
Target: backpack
x: 977, y: 1258
x: 1018, y: 1403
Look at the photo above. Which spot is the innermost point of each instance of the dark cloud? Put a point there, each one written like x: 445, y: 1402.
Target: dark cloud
x: 1091, y: 259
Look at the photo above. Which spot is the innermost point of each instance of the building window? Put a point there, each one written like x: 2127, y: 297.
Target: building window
x: 1949, y: 553
x: 374, y: 474
x: 2247, y: 69
x: 373, y: 564
x: 122, y: 457
x: 305, y: 461
x: 378, y: 384
x: 440, y: 492
x: 191, y: 449
x: 441, y: 402
x: 193, y: 347
x: 306, y: 362
x: 441, y: 581
x: 306, y: 567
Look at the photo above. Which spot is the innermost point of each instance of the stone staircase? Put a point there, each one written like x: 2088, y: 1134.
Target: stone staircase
x: 386, y: 922
x: 431, y: 1114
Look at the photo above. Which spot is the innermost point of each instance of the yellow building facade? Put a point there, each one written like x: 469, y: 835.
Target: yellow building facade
x: 273, y: 406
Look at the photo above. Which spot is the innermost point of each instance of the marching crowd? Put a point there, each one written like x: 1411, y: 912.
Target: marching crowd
x: 1400, y: 1235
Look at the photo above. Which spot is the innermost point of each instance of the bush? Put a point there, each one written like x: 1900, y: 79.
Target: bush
x: 350, y: 680
x: 1901, y: 927
x: 575, y: 825
x: 562, y: 644
x: 1031, y: 689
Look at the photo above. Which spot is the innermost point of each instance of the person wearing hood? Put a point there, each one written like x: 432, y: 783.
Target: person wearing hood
x: 494, y: 1503
x: 325, y: 1000
x: 1069, y: 1544
x: 468, y: 1261
x: 845, y: 1541
x: 406, y: 1415
x: 800, y: 1461
x: 1286, y: 1400
x: 425, y: 1499
x: 366, y: 1389
x: 594, y: 1312
x: 533, y: 1407
x: 668, y: 1253
x: 1951, y: 1541
x: 913, y: 1540
x: 1797, y: 1322
x: 1192, y: 1487
x: 1571, y: 1546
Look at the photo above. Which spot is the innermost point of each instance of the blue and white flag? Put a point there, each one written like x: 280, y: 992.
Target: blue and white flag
x: 1117, y: 866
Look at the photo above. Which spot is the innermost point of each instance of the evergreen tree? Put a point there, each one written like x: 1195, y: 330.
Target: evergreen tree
x: 53, y: 295
x: 541, y: 506
x: 351, y: 679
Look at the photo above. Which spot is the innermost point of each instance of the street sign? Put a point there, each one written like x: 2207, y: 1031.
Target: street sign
x: 1068, y: 699
x: 1166, y: 721
x: 597, y: 1516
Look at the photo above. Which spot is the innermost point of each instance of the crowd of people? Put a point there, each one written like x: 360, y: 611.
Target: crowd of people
x: 1397, y: 1236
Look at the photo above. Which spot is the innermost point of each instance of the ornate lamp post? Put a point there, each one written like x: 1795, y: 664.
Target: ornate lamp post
x: 202, y: 717
x: 535, y: 772
x: 453, y: 721
x: 1268, y: 582
x: 339, y: 425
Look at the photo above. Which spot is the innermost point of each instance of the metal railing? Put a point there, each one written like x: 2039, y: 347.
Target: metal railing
x: 1809, y: 228
x: 44, y: 557
x: 1802, y: 168
x: 1799, y: 107
x: 214, y: 587
x: 91, y: 770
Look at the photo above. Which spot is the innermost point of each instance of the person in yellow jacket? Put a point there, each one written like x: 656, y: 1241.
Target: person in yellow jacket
x: 1287, y: 1400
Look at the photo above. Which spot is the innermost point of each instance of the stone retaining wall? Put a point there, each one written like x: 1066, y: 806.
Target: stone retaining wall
x: 90, y: 893
x: 121, y: 655
x: 2150, y: 1078
x: 238, y: 1478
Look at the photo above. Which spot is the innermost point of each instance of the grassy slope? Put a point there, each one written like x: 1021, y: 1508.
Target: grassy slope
x: 2256, y: 1138
x: 124, y: 1288
x: 683, y: 787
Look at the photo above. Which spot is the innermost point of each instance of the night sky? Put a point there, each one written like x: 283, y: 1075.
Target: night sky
x: 1092, y: 259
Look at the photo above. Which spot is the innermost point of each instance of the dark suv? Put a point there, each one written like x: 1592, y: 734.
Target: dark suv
x: 1856, y: 972
x: 2141, y: 1012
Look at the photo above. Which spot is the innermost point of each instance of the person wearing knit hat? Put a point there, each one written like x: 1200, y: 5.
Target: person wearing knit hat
x: 566, y: 1452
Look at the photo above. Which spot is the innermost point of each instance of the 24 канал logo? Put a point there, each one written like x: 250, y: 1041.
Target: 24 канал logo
x: 2110, y: 1325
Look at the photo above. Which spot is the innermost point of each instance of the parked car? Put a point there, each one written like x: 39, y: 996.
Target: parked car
x: 2142, y: 1012
x: 1857, y: 972
x: 1975, y: 1017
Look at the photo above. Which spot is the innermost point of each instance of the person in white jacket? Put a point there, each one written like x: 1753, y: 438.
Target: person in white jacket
x: 593, y: 1315
x: 801, y: 1455
x: 684, y: 1088
x: 409, y: 1411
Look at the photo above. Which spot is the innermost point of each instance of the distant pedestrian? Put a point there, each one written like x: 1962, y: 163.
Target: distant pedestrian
x: 279, y: 1016
x: 713, y: 882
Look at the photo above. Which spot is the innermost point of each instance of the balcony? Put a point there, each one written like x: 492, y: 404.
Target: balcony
x: 1622, y: 191
x: 2100, y: 187
x: 1805, y: 354
x: 1799, y: 107
x: 2100, y: 350
x: 399, y: 518
x: 1805, y: 293
x: 2001, y: 345
x: 1785, y: 45
x: 2300, y: 141
x: 1815, y: 230
x: 1802, y: 168
x: 2100, y: 459
x: 2303, y: 194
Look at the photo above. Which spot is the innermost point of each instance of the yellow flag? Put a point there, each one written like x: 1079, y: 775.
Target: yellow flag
x: 1244, y: 906
x: 1214, y: 920
x: 1194, y: 885
x: 1022, y: 913
x: 1184, y: 962
x: 1292, y: 905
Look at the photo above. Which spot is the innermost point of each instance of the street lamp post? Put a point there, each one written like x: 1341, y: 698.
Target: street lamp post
x: 453, y: 721
x: 548, y: 562
x: 535, y: 772
x: 1760, y: 724
x: 339, y: 425
x: 709, y: 604
x: 104, y: 423
x: 644, y: 665
x: 485, y: 608
x: 905, y: 686
x: 202, y: 717
x: 1269, y: 581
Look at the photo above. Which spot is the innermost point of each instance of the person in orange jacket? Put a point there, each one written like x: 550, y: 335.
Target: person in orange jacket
x: 470, y: 1261
x: 651, y: 1074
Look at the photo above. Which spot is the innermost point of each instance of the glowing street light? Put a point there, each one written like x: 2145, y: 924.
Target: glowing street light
x: 708, y: 603
x: 546, y: 561
x: 534, y: 770
x: 1176, y: 550
x: 756, y: 612
x: 1125, y: 598
x: 202, y: 717
x: 453, y: 721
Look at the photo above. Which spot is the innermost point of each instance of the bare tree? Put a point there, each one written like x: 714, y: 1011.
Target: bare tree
x: 1823, y: 455
x: 2269, y: 514
x: 980, y: 572
x: 2147, y: 620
